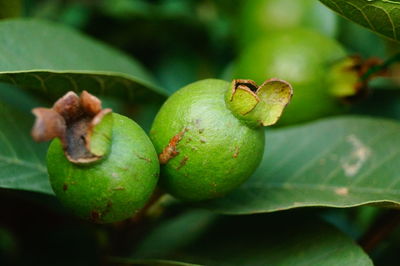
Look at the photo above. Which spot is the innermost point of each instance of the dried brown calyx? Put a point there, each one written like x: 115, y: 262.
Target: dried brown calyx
x: 81, y: 124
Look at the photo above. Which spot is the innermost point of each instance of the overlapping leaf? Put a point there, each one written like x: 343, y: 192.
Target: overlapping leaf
x: 50, y: 59
x: 21, y: 160
x: 381, y: 16
x: 284, y: 239
x: 340, y: 162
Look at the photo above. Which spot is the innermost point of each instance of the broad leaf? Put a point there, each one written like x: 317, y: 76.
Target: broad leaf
x: 126, y: 262
x: 284, y: 239
x: 381, y: 16
x: 51, y: 59
x: 21, y: 160
x: 338, y: 162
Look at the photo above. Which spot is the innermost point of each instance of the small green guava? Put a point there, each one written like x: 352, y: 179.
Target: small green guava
x: 209, y: 134
x: 102, y: 165
x: 260, y: 18
x: 316, y: 66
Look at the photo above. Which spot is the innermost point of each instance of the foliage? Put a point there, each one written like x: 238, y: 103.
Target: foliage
x: 133, y: 55
x: 380, y: 16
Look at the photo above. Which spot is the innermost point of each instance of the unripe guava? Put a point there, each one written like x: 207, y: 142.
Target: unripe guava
x: 260, y: 18
x: 206, y: 148
x: 105, y: 178
x: 304, y: 58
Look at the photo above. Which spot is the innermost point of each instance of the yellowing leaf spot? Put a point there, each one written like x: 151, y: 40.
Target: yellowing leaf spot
x: 357, y: 158
x: 342, y: 191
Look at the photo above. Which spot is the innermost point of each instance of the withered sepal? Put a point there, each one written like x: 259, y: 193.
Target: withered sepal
x: 258, y: 105
x: 83, y: 127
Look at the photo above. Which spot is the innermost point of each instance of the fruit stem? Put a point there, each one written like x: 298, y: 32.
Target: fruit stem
x: 349, y: 77
x: 381, y: 68
x: 125, y: 233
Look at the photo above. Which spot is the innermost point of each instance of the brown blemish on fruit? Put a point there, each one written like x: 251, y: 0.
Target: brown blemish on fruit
x: 123, y: 168
x: 170, y: 150
x: 197, y: 122
x: 65, y: 187
x: 72, y: 120
x: 182, y: 163
x: 235, y: 155
x: 144, y: 158
x: 114, y: 175
x: 202, y: 140
x: 95, y: 216
x: 119, y: 188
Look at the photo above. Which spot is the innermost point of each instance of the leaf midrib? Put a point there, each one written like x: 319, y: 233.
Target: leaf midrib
x: 16, y: 161
x: 308, y: 186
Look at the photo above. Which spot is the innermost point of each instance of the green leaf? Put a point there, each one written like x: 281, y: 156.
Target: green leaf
x: 284, y: 239
x: 51, y: 59
x: 22, y: 163
x: 380, y: 16
x: 124, y: 261
x: 9, y: 9
x: 337, y: 162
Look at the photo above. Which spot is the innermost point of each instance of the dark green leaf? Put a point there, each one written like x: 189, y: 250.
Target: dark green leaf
x: 338, y: 162
x: 51, y: 59
x: 10, y: 8
x: 124, y: 261
x: 381, y: 16
x: 284, y: 239
x: 21, y: 160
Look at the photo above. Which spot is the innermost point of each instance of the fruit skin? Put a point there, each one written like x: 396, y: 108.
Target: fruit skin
x: 113, y: 188
x: 260, y: 18
x: 215, y: 151
x: 301, y: 57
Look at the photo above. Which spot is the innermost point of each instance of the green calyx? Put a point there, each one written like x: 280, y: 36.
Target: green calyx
x: 258, y: 105
x: 344, y: 78
x: 83, y: 127
x: 100, y: 137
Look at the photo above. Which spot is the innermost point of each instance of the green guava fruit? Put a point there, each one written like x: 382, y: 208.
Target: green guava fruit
x: 316, y: 66
x: 209, y: 135
x: 104, y: 168
x: 259, y: 18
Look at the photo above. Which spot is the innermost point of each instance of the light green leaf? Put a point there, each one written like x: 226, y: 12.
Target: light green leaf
x: 284, y: 239
x: 22, y: 163
x: 381, y: 16
x: 337, y: 162
x: 51, y: 59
